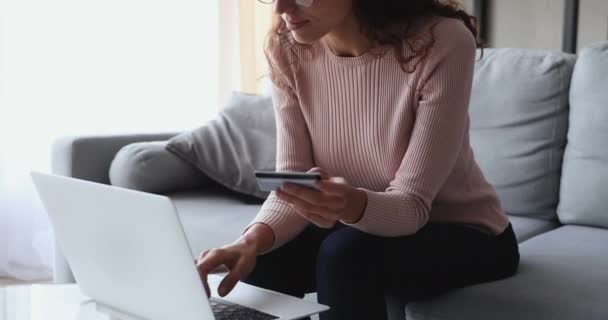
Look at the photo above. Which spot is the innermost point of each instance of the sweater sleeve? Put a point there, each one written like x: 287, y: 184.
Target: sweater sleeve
x: 294, y: 153
x: 438, y: 133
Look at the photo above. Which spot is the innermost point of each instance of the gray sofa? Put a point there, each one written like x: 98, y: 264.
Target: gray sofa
x: 539, y: 129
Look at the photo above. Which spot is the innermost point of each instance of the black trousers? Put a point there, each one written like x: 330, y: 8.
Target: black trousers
x: 352, y: 271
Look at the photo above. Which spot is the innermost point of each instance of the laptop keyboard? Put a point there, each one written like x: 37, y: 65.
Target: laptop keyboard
x: 237, y: 312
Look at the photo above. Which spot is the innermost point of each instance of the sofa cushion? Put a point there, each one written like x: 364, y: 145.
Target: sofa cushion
x: 149, y: 167
x: 213, y: 216
x: 526, y: 228
x: 585, y: 171
x: 519, y: 119
x: 230, y: 147
x: 563, y: 275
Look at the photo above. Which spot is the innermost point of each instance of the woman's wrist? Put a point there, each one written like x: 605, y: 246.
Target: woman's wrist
x: 359, y: 203
x: 259, y: 237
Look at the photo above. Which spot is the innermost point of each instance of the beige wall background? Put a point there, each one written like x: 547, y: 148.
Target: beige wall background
x: 538, y: 23
x: 255, y: 19
x: 593, y: 22
x: 526, y: 24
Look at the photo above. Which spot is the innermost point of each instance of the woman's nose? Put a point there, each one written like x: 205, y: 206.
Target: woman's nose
x: 282, y: 6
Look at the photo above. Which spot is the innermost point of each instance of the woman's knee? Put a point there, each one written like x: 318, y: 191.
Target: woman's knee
x: 346, y: 276
x: 289, y: 269
x: 276, y: 275
x: 346, y: 249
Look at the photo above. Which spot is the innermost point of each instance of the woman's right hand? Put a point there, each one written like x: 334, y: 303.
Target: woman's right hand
x: 239, y: 257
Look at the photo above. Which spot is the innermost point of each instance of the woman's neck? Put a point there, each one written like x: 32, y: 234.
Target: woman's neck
x: 347, y: 40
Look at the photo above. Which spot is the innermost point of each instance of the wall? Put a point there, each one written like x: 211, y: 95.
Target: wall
x: 526, y: 23
x: 255, y: 19
x: 593, y: 22
x: 539, y: 23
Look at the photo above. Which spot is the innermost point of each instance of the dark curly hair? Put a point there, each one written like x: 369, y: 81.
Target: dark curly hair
x: 386, y: 22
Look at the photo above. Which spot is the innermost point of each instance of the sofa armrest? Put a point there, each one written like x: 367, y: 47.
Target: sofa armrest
x: 89, y: 158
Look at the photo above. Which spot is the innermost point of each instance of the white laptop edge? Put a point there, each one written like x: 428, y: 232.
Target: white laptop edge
x: 75, y: 193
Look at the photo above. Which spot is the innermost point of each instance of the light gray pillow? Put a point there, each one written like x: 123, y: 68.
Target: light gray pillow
x: 585, y: 173
x: 519, y: 122
x: 149, y: 167
x: 241, y: 139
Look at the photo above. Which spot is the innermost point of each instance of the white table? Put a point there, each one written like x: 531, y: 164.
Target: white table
x: 48, y: 302
x: 56, y: 302
x: 60, y: 302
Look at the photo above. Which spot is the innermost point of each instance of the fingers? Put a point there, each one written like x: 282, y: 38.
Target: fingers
x: 318, y: 220
x: 335, y: 186
x: 308, y: 206
x: 209, y: 260
x: 202, y: 255
x: 312, y: 197
x: 203, y: 278
x: 231, y: 279
x: 323, y: 172
x: 239, y: 260
x: 207, y: 290
x: 323, y: 208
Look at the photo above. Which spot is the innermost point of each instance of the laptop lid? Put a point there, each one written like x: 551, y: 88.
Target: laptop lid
x: 118, y: 241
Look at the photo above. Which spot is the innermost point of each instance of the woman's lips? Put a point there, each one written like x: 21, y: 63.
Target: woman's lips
x: 295, y: 25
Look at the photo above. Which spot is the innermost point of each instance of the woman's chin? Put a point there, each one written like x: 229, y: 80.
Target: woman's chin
x: 304, y: 38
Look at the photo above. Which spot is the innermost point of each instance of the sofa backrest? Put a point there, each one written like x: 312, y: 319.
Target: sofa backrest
x: 519, y: 123
x: 584, y: 191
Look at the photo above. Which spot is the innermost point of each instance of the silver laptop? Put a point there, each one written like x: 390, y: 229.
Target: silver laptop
x: 128, y: 252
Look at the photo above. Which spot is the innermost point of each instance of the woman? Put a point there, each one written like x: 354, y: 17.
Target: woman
x: 374, y: 95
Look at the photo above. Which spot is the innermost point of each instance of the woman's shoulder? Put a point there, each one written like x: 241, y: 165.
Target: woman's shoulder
x: 443, y: 39
x: 436, y: 38
x: 431, y: 39
x: 449, y: 34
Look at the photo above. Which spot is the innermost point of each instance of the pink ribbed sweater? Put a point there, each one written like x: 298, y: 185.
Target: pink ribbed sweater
x: 401, y: 137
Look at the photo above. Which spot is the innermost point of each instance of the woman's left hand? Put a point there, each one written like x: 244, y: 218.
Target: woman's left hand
x: 334, y: 200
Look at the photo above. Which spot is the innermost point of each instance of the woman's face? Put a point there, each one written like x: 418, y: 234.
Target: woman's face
x: 310, y: 20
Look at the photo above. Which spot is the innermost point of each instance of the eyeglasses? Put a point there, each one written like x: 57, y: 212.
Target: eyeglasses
x: 302, y: 3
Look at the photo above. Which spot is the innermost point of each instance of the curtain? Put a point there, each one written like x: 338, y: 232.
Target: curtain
x: 70, y: 67
x: 254, y: 23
